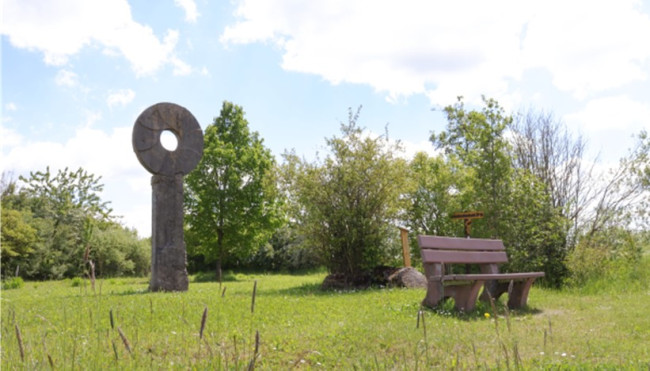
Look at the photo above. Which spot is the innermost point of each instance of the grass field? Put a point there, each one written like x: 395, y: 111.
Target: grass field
x: 122, y: 326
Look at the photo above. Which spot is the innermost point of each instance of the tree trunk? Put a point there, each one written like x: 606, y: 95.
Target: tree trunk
x: 219, y: 277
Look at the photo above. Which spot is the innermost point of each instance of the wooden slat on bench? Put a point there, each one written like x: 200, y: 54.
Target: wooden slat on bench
x: 491, y: 276
x: 455, y: 243
x: 465, y: 257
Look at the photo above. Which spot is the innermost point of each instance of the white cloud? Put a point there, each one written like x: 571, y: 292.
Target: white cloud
x: 105, y: 154
x: 445, y: 49
x: 10, y: 138
x: 589, y: 46
x: 411, y: 148
x: 10, y: 106
x: 181, y: 68
x: 60, y: 29
x: 120, y: 97
x: 611, y: 123
x: 189, y: 7
x: 66, y: 78
x: 618, y: 113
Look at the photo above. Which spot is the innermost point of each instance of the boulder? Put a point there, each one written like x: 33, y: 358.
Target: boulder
x: 407, y: 277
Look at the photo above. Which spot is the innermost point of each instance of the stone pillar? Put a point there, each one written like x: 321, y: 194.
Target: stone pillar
x: 168, y: 254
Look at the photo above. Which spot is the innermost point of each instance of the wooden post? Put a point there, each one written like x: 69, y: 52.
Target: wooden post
x: 467, y: 218
x: 406, y: 252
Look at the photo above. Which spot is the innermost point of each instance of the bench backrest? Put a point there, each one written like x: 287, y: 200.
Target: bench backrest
x: 436, y: 249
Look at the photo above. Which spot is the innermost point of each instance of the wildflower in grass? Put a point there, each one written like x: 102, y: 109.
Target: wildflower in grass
x: 487, y: 315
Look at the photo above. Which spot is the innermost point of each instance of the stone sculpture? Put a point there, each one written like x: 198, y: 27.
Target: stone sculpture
x: 168, y: 253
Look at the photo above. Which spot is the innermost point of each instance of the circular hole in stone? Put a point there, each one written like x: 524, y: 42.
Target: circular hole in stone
x: 169, y: 140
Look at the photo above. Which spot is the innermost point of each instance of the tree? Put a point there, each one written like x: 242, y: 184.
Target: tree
x: 66, y: 208
x: 543, y: 146
x: 477, y: 140
x: 62, y: 211
x: 18, y: 236
x: 117, y: 251
x: 439, y: 188
x: 624, y: 196
x: 350, y: 201
x: 231, y: 196
x: 519, y: 206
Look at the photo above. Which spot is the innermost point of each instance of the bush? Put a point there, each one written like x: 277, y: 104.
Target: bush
x: 586, y: 264
x: 117, y: 251
x: 611, y: 255
x: 286, y: 251
x: 12, y: 283
x: 76, y: 282
x: 349, y: 202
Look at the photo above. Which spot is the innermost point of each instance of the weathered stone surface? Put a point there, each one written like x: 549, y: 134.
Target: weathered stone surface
x: 146, y: 139
x: 408, y: 277
x: 168, y: 253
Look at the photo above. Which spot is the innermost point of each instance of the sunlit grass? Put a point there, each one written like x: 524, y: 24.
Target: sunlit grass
x: 300, y: 325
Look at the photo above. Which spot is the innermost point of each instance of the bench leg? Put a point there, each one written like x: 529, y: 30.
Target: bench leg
x: 493, y: 289
x: 435, y: 288
x: 518, y: 297
x: 464, y: 295
x: 435, y: 291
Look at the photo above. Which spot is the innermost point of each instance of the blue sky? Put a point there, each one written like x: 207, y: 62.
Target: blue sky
x: 76, y: 73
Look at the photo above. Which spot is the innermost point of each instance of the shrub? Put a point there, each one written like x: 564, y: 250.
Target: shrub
x: 349, y: 202
x: 76, y: 282
x: 613, y: 254
x: 118, y: 251
x: 12, y: 283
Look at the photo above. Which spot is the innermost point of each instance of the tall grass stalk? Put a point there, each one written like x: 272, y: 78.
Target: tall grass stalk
x: 21, y: 347
x: 125, y: 341
x: 251, y: 365
x: 204, y: 317
x: 114, y: 350
x: 49, y: 357
x: 253, y: 298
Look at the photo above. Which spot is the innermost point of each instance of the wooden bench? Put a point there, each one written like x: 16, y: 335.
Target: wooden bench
x: 439, y: 253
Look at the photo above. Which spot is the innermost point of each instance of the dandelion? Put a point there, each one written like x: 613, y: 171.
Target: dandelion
x: 487, y: 315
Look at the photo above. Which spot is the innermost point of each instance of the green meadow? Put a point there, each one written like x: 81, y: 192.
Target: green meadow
x: 289, y: 322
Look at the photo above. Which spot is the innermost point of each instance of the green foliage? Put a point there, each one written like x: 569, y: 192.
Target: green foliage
x: 12, y: 283
x: 52, y: 222
x: 346, y: 205
x: 286, y: 251
x: 117, y: 251
x: 607, y: 255
x: 76, y: 281
x: 231, y: 199
x: 517, y: 204
x: 438, y: 188
x: 67, y: 206
x: 536, y: 235
x: 544, y: 147
x: 18, y: 236
x: 477, y: 140
x: 624, y: 197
